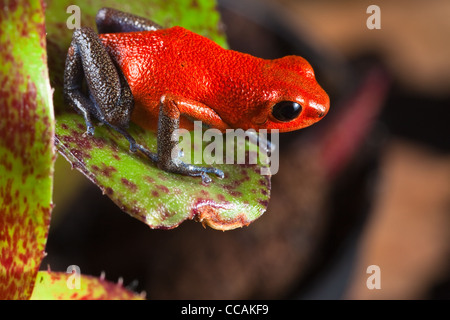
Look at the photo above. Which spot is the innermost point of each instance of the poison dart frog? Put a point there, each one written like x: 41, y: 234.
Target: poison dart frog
x: 163, y: 79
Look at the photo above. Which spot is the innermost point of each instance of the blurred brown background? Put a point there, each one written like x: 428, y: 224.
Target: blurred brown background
x: 368, y: 185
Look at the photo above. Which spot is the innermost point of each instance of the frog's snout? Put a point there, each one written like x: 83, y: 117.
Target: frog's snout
x: 319, y: 110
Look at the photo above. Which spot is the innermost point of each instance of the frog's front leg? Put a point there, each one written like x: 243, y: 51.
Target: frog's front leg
x: 171, y: 108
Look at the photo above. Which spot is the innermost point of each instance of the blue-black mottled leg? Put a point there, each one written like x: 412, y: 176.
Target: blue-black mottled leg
x: 168, y: 152
x: 73, y: 78
x: 110, y: 100
x: 114, y: 21
x: 134, y: 146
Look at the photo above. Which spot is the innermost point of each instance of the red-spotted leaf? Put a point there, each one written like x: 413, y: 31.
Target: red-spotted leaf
x: 26, y: 146
x: 158, y: 198
x: 63, y: 286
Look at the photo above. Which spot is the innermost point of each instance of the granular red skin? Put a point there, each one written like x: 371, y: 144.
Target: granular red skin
x: 223, y: 88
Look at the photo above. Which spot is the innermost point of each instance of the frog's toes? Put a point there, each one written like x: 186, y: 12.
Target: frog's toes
x: 89, y: 131
x: 133, y: 148
x: 219, y: 173
x: 205, y: 178
x: 151, y: 155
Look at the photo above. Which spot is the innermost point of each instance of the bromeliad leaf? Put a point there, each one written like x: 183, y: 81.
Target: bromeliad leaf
x: 63, y: 286
x: 26, y: 147
x: 137, y: 186
x: 158, y: 198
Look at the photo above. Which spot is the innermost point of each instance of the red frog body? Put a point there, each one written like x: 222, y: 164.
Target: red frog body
x: 223, y: 88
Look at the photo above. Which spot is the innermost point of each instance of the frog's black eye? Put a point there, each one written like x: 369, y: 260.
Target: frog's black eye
x: 286, y: 110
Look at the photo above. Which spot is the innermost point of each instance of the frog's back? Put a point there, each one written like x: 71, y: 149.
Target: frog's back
x: 179, y: 61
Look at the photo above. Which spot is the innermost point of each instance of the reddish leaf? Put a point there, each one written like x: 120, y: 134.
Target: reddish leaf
x: 26, y: 146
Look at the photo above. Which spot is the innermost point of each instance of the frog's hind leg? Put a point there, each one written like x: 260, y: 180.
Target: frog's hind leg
x: 110, y: 100
x: 114, y: 21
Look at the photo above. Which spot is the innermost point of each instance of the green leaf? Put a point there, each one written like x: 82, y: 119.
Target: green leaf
x: 137, y: 186
x: 26, y: 146
x: 63, y: 286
